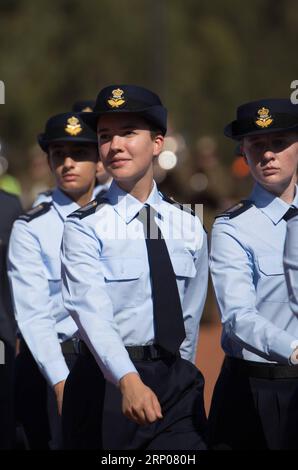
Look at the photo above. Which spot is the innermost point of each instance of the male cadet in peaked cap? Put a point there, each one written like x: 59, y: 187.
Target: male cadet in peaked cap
x: 34, y: 270
x: 255, y: 404
x: 137, y: 299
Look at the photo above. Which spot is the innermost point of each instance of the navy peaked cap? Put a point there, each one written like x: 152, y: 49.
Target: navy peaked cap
x: 66, y: 127
x: 129, y: 99
x: 263, y: 117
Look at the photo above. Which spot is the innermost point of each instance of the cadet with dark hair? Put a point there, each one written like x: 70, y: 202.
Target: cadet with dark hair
x: 255, y: 401
x: 134, y: 279
x: 35, y: 273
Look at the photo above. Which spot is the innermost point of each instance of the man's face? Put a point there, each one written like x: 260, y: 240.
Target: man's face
x: 272, y: 159
x: 126, y: 146
x: 73, y: 165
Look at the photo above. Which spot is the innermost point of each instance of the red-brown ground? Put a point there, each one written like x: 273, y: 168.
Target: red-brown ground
x: 209, y: 357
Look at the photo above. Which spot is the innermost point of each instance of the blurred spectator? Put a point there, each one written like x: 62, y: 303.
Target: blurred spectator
x: 38, y: 177
x: 242, y: 181
x: 8, y: 182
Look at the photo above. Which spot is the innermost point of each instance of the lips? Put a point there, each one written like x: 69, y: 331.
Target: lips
x: 118, y: 162
x: 270, y: 170
x: 69, y: 177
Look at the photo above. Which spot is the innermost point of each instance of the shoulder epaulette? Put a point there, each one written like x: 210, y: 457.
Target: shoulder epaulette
x: 236, y: 210
x: 184, y: 207
x: 35, y: 212
x: 89, y: 209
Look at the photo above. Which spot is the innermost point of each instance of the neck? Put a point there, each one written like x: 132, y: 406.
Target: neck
x: 140, y: 189
x: 104, y: 180
x: 82, y: 198
x: 288, y: 195
x: 287, y: 192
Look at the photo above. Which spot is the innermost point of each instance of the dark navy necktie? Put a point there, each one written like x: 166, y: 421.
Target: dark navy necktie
x: 291, y: 212
x: 167, y: 310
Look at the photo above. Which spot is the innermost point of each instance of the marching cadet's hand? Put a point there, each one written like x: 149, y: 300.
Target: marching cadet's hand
x: 139, y: 402
x: 59, y: 389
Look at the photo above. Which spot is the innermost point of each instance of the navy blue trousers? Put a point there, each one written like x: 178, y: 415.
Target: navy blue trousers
x: 36, y: 402
x: 253, y: 413
x: 92, y: 417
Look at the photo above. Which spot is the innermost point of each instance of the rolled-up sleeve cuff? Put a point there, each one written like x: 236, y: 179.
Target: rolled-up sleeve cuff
x: 119, y: 369
x: 55, y: 371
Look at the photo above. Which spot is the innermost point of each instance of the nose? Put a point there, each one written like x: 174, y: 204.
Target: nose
x: 268, y: 155
x: 116, y: 143
x: 68, y: 162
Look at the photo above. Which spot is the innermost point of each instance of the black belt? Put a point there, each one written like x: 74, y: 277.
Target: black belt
x: 150, y: 352
x: 260, y: 370
x: 70, y: 346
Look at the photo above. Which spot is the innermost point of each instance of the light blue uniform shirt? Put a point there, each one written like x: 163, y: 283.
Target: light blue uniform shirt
x: 106, y: 278
x: 246, y: 264
x: 291, y: 263
x: 34, y: 269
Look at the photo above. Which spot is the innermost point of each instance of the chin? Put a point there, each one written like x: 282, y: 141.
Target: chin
x: 121, y: 175
x: 70, y: 187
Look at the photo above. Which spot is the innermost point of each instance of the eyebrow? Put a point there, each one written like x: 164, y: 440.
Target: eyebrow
x: 259, y: 137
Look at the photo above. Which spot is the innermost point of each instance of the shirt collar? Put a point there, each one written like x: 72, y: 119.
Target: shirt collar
x: 63, y: 204
x: 272, y: 206
x: 126, y: 205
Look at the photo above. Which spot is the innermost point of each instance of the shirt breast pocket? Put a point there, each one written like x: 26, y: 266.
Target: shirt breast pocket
x: 122, y: 280
x: 184, y: 269
x: 272, y: 282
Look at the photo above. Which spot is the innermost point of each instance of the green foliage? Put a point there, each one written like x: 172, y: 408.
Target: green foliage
x: 203, y: 57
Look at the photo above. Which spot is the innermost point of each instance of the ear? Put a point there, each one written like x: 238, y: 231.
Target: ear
x: 158, y: 142
x: 243, y: 152
x: 49, y: 160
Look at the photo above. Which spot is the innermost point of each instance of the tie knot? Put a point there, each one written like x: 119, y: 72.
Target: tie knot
x: 146, y: 217
x: 291, y: 212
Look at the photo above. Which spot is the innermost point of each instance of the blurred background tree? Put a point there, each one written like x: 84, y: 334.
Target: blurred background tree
x: 202, y: 57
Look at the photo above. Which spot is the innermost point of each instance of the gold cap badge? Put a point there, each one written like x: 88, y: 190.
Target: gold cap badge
x: 117, y: 99
x: 264, y: 119
x: 73, y: 126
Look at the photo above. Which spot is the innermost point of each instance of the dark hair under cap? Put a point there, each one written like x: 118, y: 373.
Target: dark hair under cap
x: 66, y: 127
x: 83, y: 106
x: 263, y: 117
x: 115, y: 99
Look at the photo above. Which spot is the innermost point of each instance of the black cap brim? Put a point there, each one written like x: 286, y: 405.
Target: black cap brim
x: 238, y: 131
x: 156, y: 115
x: 44, y: 143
